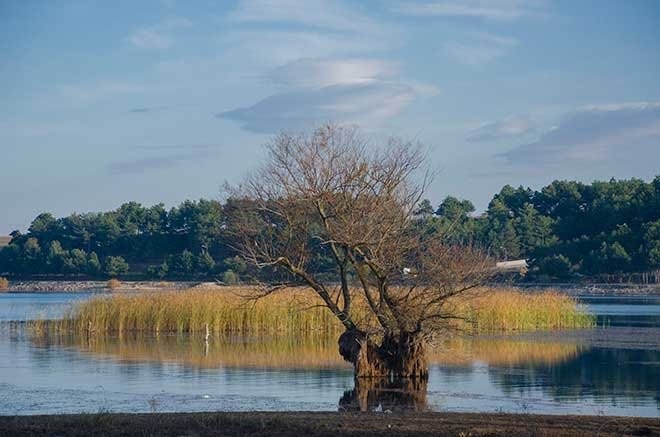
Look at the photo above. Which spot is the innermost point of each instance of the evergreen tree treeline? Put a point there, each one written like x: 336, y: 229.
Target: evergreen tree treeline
x: 566, y: 229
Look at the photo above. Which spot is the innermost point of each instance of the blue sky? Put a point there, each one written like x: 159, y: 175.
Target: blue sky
x: 104, y: 102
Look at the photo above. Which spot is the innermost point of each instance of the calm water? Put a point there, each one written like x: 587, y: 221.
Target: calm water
x: 613, y: 370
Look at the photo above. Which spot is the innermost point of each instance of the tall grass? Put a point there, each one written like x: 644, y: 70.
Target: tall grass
x: 299, y: 311
x: 225, y: 311
x: 514, y: 310
x: 4, y: 284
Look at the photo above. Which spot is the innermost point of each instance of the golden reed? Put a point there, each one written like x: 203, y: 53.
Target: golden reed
x: 297, y: 311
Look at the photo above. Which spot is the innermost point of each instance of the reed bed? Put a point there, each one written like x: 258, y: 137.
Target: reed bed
x: 514, y: 310
x: 4, y: 284
x: 298, y: 311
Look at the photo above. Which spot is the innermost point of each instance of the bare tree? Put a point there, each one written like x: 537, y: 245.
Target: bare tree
x: 329, y: 191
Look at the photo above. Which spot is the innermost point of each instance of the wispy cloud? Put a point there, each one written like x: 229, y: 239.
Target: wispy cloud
x: 365, y: 104
x: 597, y: 133
x: 271, y: 48
x: 31, y: 128
x: 348, y: 82
x: 275, y: 32
x: 325, y: 72
x: 505, y: 10
x: 90, y: 92
x: 356, y: 90
x: 204, y: 146
x: 148, y: 109
x: 316, y: 14
x: 160, y: 36
x: 509, y: 127
x: 476, y: 48
x: 145, y: 164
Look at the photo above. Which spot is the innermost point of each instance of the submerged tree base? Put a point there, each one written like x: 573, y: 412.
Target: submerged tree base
x: 397, y: 356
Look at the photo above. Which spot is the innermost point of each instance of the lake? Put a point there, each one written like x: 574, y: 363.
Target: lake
x: 612, y: 370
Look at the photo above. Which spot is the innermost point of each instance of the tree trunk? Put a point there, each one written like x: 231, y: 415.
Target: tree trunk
x: 398, y: 356
x: 411, y: 361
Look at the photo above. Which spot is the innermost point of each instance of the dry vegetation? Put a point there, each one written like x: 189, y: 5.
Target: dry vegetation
x: 298, y: 311
x: 4, y: 284
x: 4, y: 241
x: 113, y: 284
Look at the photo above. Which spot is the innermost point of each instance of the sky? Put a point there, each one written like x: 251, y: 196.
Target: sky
x: 161, y: 101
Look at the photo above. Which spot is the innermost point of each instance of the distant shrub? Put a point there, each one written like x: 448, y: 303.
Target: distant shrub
x: 115, y: 266
x: 230, y: 278
x: 113, y: 284
x: 152, y: 272
x: 557, y: 266
x: 4, y: 284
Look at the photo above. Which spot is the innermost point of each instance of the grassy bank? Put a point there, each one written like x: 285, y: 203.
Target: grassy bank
x: 299, y: 311
x: 328, y: 424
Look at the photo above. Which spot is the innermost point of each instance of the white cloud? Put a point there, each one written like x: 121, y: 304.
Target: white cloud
x: 366, y: 104
x: 509, y: 127
x: 160, y: 36
x: 323, y: 56
x: 325, y: 72
x: 277, y: 47
x: 275, y: 32
x: 476, y: 48
x: 355, y: 90
x: 598, y: 134
x: 483, y: 9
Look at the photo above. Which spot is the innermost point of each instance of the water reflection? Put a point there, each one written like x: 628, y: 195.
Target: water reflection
x: 30, y: 306
x: 304, y: 352
x: 386, y: 395
x: 603, y: 371
x: 68, y: 374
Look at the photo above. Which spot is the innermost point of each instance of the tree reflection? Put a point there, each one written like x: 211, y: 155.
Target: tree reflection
x: 602, y: 372
x: 371, y: 394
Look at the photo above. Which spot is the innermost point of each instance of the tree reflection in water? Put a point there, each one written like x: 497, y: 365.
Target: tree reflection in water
x: 385, y: 394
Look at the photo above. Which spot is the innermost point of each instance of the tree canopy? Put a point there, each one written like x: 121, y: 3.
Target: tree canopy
x: 330, y: 193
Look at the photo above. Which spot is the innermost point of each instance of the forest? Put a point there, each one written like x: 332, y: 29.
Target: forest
x: 567, y: 230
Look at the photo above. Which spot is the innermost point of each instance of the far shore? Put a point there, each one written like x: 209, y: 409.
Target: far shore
x: 72, y: 286
x: 75, y: 286
x: 328, y: 424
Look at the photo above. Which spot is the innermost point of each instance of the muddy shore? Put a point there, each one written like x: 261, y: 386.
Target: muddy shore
x: 327, y: 424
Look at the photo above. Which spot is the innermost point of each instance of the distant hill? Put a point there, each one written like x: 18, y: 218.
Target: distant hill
x: 4, y: 241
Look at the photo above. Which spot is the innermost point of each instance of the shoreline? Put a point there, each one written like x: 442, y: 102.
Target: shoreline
x: 72, y: 286
x: 67, y: 286
x: 328, y: 424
